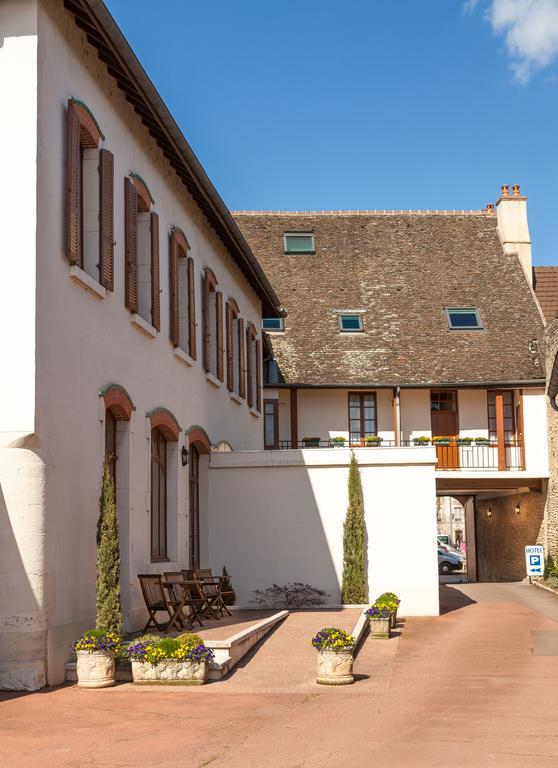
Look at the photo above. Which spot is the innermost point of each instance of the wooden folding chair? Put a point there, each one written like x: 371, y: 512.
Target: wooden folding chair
x: 214, y: 584
x: 156, y: 600
x: 180, y: 594
x: 204, y: 593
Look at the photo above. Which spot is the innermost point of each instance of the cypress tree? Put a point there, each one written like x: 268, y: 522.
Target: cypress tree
x: 353, y: 589
x: 108, y: 608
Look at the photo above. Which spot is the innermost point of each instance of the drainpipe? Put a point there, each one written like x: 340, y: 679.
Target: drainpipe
x: 397, y: 415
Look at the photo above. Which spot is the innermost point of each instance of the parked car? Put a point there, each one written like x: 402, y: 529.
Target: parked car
x: 449, y: 561
x: 449, y: 548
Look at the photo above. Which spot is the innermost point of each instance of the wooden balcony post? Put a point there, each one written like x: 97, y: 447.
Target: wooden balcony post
x: 500, y: 431
x: 294, y: 418
x: 520, y: 431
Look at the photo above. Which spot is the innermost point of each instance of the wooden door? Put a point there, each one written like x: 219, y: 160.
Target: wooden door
x: 444, y: 423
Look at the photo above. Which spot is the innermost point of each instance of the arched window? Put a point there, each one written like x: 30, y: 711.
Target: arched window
x: 212, y: 326
x: 141, y: 236
x: 89, y: 197
x: 253, y: 368
x: 158, y: 495
x: 182, y: 294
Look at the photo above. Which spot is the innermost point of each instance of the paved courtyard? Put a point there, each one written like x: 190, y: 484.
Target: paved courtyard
x: 464, y: 689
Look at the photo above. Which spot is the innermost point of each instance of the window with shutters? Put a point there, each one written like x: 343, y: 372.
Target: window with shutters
x: 142, y: 252
x: 253, y: 366
x: 212, y: 326
x: 182, y: 294
x: 234, y: 330
x: 158, y: 495
x: 89, y: 197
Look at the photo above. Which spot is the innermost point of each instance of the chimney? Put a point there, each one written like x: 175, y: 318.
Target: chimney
x: 511, y: 212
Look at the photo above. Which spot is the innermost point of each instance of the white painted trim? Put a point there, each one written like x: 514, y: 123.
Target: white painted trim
x: 143, y: 326
x: 236, y: 397
x: 86, y: 281
x: 323, y: 457
x: 213, y: 379
x: 255, y: 412
x: 183, y: 357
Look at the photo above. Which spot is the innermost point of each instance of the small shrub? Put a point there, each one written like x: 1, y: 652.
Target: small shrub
x: 353, y: 587
x: 293, y: 595
x: 190, y: 639
x: 227, y: 589
x: 331, y: 639
x: 550, y: 568
x: 183, y: 648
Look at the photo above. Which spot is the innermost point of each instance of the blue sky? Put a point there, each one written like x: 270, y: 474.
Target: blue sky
x: 363, y: 103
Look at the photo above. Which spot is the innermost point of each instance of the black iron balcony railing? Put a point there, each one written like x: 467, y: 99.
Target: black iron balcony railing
x: 451, y: 454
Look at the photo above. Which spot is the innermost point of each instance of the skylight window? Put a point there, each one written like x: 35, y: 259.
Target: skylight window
x: 464, y: 319
x: 351, y: 323
x: 273, y: 324
x: 299, y: 242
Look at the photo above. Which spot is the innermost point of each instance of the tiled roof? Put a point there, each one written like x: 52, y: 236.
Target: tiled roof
x: 402, y: 269
x: 546, y: 289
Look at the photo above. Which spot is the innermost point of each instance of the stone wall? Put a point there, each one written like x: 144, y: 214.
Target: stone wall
x: 549, y: 350
x: 502, y: 534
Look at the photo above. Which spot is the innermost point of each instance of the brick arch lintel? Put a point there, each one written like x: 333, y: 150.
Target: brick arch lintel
x: 163, y: 419
x: 181, y: 240
x: 88, y: 124
x: 118, y: 401
x: 145, y: 197
x: 197, y: 437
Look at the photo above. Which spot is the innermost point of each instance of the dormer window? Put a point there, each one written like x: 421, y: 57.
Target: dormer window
x: 463, y: 319
x: 299, y: 242
x: 351, y: 323
x: 273, y: 324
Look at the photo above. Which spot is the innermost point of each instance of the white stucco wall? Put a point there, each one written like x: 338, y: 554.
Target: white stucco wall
x: 536, y: 435
x: 84, y: 342
x: 294, y: 531
x: 473, y: 412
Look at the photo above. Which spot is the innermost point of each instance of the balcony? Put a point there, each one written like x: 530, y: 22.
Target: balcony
x: 452, y: 454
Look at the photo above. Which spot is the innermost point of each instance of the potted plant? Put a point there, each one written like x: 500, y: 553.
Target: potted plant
x: 482, y: 441
x: 441, y: 440
x: 311, y: 442
x: 227, y: 590
x: 380, y: 621
x: 95, y: 658
x: 391, y: 601
x: 421, y: 440
x: 338, y: 441
x: 464, y: 440
x: 183, y: 660
x: 335, y: 656
x: 372, y: 441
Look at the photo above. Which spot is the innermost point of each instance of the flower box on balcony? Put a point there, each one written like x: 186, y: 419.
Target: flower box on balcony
x: 464, y: 441
x: 373, y: 441
x: 482, y: 441
x: 440, y: 441
x: 311, y: 442
x: 422, y: 440
x: 338, y: 442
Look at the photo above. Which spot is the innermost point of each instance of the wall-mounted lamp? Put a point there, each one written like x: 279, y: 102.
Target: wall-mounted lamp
x: 184, y: 455
x: 517, y: 509
x: 489, y: 512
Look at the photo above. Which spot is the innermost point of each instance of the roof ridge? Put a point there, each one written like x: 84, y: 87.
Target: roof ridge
x: 375, y: 212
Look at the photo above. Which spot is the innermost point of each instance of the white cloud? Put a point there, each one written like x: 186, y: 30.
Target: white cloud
x: 530, y: 30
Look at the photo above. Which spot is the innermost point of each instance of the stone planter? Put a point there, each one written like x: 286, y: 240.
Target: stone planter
x: 380, y: 629
x: 170, y: 672
x: 335, y: 667
x: 393, y: 619
x: 312, y: 443
x: 95, y: 670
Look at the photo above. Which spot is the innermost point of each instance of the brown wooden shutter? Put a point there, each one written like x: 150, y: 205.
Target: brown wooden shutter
x: 229, y: 324
x: 249, y: 367
x: 258, y: 375
x: 106, y: 219
x: 155, y: 292
x: 219, y: 336
x: 73, y: 170
x: 191, y: 309
x: 206, y: 328
x: 174, y: 290
x: 241, y: 360
x: 131, y: 245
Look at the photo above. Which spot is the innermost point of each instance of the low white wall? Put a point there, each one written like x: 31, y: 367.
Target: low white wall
x: 277, y: 517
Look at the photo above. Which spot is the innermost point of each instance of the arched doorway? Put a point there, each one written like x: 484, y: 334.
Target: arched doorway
x: 199, y: 444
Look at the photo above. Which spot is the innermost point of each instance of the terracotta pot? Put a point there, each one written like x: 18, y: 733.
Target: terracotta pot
x: 170, y: 672
x: 335, y: 667
x: 95, y: 670
x: 380, y: 629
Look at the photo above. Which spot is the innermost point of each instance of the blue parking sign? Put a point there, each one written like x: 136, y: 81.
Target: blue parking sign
x: 534, y: 560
